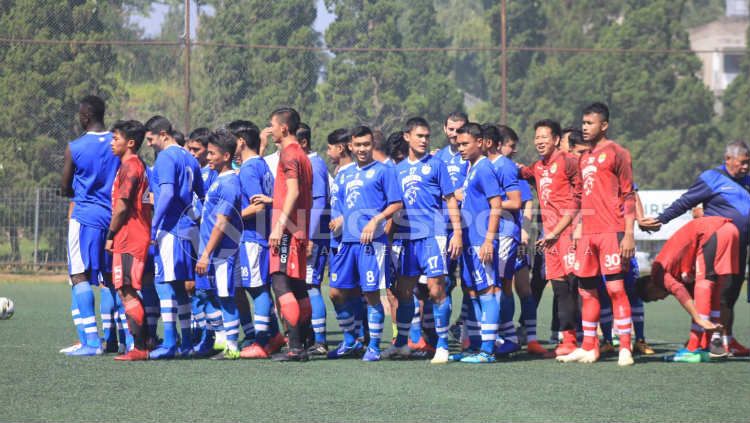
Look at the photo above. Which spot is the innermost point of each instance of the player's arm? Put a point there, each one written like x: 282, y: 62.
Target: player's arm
x: 526, y: 222
x: 128, y: 186
x: 698, y: 193
x: 551, y: 237
x: 683, y: 296
x: 222, y: 221
x: 166, y: 193
x: 456, y: 243
x: 513, y: 203
x: 486, y: 251
x: 287, y: 208
x: 66, y: 181
x: 316, y: 213
x: 624, y: 172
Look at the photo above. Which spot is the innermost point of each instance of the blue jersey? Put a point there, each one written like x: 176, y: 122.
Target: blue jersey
x: 174, y: 165
x: 95, y: 170
x: 337, y: 186
x: 256, y: 178
x: 424, y: 183
x: 525, y: 189
x: 507, y: 176
x: 366, y: 192
x: 223, y: 198
x: 209, y: 176
x: 320, y: 190
x: 479, y: 187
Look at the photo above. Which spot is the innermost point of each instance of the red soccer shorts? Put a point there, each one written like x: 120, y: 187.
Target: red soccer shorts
x: 597, y: 255
x: 559, y: 260
x: 127, y: 270
x: 719, y: 254
x: 289, y: 258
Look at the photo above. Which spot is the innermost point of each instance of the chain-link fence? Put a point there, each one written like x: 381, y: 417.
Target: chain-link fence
x: 343, y: 63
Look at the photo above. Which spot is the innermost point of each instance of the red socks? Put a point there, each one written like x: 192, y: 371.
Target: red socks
x: 621, y: 311
x: 589, y: 317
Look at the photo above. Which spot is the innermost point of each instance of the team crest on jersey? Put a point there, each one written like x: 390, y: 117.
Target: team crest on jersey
x: 426, y: 169
x: 553, y: 168
x: 334, y: 277
x: 370, y: 173
x: 411, y: 195
x: 214, y: 186
x: 602, y: 157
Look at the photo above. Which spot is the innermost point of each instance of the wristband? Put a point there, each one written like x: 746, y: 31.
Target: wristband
x: 110, y: 235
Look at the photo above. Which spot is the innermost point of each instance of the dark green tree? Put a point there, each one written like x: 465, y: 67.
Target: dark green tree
x: 736, y: 103
x: 238, y: 82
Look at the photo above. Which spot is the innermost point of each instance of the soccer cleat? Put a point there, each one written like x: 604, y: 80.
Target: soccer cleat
x: 133, y: 355
x: 86, y: 351
x: 394, y: 352
x: 461, y: 355
x: 535, y: 348
x: 717, y: 350
x: 246, y: 342
x: 641, y: 347
x: 163, y: 353
x: 291, y: 355
x: 254, y: 351
x: 275, y: 344
x: 480, y: 358
x: 580, y: 356
x: 227, y: 354
x: 185, y: 352
x: 568, y: 344
x: 625, y: 358
x: 507, y: 348
x: 606, y: 347
x: 344, y: 351
x: 70, y: 348
x: 371, y: 355
x: 441, y: 356
x: 203, y: 350
x: 738, y: 350
x: 318, y: 350
x: 421, y: 346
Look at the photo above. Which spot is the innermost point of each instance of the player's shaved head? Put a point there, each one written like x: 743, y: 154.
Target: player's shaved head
x: 287, y: 116
x: 94, y: 107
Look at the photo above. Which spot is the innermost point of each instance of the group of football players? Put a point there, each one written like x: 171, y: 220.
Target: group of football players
x: 215, y: 239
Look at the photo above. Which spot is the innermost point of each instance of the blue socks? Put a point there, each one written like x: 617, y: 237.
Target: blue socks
x: 375, y: 319
x: 507, y: 309
x: 404, y: 315
x: 415, y: 331
x: 85, y: 301
x: 318, y: 314
x: 168, y: 310
x: 263, y: 308
x: 472, y: 323
x: 490, y: 315
x: 108, y: 312
x: 442, y: 313
x: 231, y: 318
x: 76, y: 314
x: 345, y: 316
x: 151, y: 308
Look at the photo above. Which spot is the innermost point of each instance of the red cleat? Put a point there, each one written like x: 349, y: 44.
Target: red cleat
x: 133, y: 355
x: 422, y: 345
x: 737, y: 349
x: 275, y: 344
x: 568, y: 344
x: 254, y: 351
x: 535, y: 348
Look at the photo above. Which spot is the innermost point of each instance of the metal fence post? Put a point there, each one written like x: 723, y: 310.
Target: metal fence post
x: 36, y: 228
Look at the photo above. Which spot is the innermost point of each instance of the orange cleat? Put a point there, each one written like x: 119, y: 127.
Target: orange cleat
x: 133, y: 355
x: 254, y: 351
x: 737, y: 349
x: 422, y: 345
x: 275, y: 344
x: 535, y: 348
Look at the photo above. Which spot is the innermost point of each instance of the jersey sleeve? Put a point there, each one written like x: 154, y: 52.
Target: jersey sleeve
x: 510, y: 179
x: 320, y: 179
x: 198, y: 188
x: 390, y: 186
x: 525, y: 191
x: 164, y: 168
x: 249, y: 182
x: 487, y: 178
x: 698, y: 193
x: 573, y: 175
x: 526, y: 172
x: 624, y: 172
x: 444, y: 178
x: 290, y: 165
x: 128, y: 180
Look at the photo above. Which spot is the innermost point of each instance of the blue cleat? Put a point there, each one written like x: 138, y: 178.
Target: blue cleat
x: 371, y: 354
x: 163, y: 353
x: 480, y: 358
x: 186, y: 352
x: 86, y: 351
x: 344, y: 351
x: 204, y: 349
x: 463, y: 354
x: 507, y: 348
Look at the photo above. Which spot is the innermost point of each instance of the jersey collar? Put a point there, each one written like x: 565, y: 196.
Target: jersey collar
x: 369, y: 165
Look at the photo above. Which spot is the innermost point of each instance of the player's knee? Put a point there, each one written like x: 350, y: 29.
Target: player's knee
x: 79, y: 278
x: 587, y: 294
x: 616, y: 289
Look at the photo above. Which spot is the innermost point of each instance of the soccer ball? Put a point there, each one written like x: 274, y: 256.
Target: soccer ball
x: 6, y: 308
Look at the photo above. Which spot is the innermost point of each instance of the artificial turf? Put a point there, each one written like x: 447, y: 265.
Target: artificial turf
x: 38, y: 384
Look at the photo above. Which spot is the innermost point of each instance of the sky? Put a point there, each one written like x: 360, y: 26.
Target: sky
x: 152, y: 24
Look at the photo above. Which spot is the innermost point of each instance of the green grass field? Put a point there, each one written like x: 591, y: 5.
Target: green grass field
x: 38, y: 384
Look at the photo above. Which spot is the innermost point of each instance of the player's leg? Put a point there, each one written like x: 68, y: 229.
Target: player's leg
x: 107, y: 312
x: 424, y: 317
x: 226, y: 275
x: 123, y: 328
x: 315, y: 269
x: 433, y: 263
x: 150, y: 299
x: 507, y: 251
x: 246, y: 317
x: 128, y: 280
x: 481, y: 278
x: 76, y: 315
x: 614, y: 274
x: 730, y: 292
x: 522, y: 285
x: 374, y: 276
x: 404, y: 289
x: 85, y: 248
x: 605, y: 319
x: 166, y: 256
x: 343, y: 293
x: 637, y: 309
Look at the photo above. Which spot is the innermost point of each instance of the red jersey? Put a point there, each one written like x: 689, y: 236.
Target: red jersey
x: 607, y: 195
x: 558, y: 185
x: 131, y: 184
x: 294, y: 164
